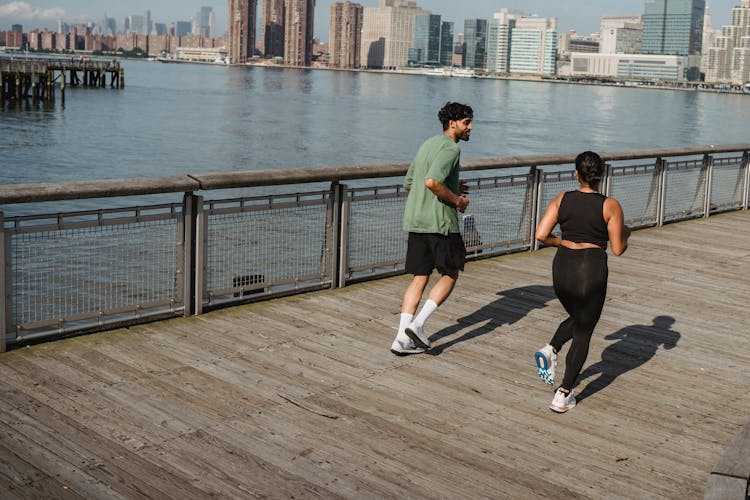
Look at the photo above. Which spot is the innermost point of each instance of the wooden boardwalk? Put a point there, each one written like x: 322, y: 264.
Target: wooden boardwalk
x: 300, y: 397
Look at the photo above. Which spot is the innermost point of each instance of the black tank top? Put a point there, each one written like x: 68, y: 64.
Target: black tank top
x: 581, y: 218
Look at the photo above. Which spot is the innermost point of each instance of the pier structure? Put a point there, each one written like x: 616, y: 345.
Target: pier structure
x: 292, y: 392
x: 37, y: 78
x: 300, y: 398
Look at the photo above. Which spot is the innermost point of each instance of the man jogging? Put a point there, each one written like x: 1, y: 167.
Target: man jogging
x: 431, y: 218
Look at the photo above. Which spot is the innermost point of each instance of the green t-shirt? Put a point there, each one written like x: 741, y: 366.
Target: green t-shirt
x: 437, y: 159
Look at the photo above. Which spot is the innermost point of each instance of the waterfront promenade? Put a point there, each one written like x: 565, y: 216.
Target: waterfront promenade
x: 300, y: 398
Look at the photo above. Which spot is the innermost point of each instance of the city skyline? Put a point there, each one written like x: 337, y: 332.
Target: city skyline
x: 581, y: 15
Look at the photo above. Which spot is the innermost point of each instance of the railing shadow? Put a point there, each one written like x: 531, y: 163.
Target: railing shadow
x: 636, y: 345
x: 513, y: 305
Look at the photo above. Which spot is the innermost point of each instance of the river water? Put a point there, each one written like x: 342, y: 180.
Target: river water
x: 173, y: 119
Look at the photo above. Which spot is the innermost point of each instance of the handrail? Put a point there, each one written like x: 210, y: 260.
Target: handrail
x: 24, y: 193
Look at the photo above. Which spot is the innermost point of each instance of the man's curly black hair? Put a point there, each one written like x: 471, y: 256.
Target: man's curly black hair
x: 454, y: 111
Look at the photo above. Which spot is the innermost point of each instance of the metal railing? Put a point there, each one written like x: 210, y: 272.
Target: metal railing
x: 73, y: 272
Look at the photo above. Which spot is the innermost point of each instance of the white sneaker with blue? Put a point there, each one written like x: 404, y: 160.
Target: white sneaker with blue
x: 546, y: 361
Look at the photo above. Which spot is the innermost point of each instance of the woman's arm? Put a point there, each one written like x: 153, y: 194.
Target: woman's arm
x: 616, y: 228
x: 548, y: 223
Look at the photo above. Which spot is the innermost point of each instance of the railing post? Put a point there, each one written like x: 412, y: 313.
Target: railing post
x: 537, y: 190
x: 340, y: 250
x: 201, y: 255
x: 746, y: 187
x: 607, y: 180
x: 5, y: 274
x: 708, y: 168
x: 330, y: 252
x: 661, y: 168
x: 189, y: 211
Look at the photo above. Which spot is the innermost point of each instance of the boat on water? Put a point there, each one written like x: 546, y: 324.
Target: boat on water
x: 457, y: 72
x: 463, y: 73
x: 437, y: 71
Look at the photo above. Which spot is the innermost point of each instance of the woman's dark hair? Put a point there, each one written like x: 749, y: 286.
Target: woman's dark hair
x: 454, y: 111
x: 590, y: 168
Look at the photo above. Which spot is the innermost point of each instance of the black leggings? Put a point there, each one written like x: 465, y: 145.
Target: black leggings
x: 580, y: 280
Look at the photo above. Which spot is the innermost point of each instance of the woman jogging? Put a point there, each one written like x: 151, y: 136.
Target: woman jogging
x: 588, y: 220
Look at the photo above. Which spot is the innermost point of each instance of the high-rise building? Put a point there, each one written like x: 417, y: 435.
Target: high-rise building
x: 110, y: 25
x: 621, y: 35
x: 273, y: 28
x: 298, y: 32
x: 388, y: 33
x: 427, y: 38
x: 498, y: 40
x: 475, y: 43
x: 729, y: 57
x: 159, y: 29
x: 446, y: 43
x: 205, y: 19
x: 241, y: 36
x: 533, y: 46
x: 137, y: 24
x: 675, y: 27
x: 345, y: 36
x: 182, y: 28
x: 709, y: 35
x: 202, y: 22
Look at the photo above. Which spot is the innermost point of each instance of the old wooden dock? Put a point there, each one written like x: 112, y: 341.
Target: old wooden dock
x: 37, y: 78
x: 300, y: 397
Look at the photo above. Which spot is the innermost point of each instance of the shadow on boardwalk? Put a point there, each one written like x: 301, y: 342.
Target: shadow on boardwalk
x: 636, y: 345
x: 512, y: 306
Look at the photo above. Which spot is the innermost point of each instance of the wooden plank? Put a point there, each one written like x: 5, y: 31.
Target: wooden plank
x: 301, y: 397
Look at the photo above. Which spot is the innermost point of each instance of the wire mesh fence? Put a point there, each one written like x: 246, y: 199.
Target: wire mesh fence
x: 636, y: 187
x: 685, y: 193
x: 727, y: 184
x: 76, y: 271
x: 88, y: 268
x: 266, y: 244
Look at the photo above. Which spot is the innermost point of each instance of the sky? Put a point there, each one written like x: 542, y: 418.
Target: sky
x: 581, y: 15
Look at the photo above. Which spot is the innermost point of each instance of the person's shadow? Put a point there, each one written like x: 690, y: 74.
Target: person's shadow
x: 512, y: 306
x: 637, y: 344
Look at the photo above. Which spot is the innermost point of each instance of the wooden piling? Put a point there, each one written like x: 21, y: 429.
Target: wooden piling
x: 37, y: 79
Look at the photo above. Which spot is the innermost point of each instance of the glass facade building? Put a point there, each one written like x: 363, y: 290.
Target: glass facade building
x: 427, y: 38
x: 475, y: 43
x: 675, y: 27
x: 533, y: 46
x: 446, y: 43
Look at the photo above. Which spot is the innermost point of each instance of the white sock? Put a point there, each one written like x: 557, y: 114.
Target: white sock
x: 428, y: 308
x: 406, y: 318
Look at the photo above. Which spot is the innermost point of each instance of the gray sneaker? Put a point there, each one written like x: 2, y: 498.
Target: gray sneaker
x: 404, y: 348
x: 416, y: 334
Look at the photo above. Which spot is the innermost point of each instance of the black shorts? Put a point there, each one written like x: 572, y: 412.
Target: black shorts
x: 428, y: 251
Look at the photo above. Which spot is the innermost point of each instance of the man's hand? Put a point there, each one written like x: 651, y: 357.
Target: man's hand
x: 463, y: 187
x: 462, y: 203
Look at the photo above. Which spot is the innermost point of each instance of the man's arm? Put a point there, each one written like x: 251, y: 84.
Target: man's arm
x: 441, y: 191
